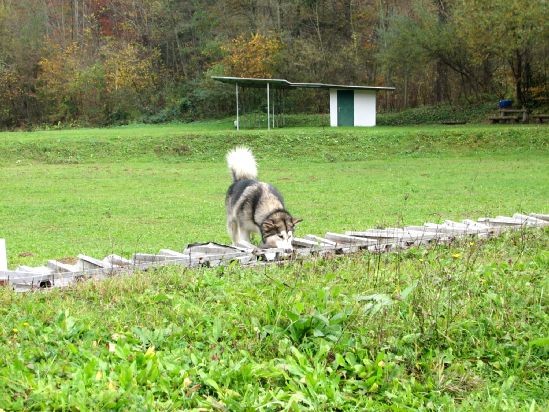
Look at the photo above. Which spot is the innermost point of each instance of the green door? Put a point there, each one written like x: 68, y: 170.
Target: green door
x: 345, y: 108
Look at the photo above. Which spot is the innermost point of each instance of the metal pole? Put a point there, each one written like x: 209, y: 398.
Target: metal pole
x: 274, y: 98
x: 237, y: 117
x: 268, y: 108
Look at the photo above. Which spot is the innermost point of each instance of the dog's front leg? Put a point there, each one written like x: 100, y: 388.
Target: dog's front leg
x: 248, y: 246
x: 241, y: 238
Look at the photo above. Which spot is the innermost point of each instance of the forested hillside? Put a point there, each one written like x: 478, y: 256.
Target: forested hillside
x: 106, y: 62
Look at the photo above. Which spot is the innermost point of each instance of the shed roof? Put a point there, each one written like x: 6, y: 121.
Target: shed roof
x: 285, y: 84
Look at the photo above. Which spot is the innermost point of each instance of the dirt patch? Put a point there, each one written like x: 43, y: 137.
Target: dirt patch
x: 68, y: 260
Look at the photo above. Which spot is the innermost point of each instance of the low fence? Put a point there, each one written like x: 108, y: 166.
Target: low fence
x: 56, y: 274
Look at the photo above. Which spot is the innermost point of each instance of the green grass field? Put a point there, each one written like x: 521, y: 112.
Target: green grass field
x: 451, y: 327
x: 142, y: 188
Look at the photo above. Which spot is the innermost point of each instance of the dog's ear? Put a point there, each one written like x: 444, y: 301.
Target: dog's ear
x: 295, y: 221
x: 268, y: 225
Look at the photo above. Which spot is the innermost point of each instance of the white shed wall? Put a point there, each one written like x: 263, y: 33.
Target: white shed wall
x: 365, y: 108
x: 333, y: 107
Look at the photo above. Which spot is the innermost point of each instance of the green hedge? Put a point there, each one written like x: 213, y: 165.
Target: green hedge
x: 476, y: 113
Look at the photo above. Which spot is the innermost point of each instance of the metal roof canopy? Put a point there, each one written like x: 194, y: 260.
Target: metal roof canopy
x: 283, y: 84
x: 252, y: 82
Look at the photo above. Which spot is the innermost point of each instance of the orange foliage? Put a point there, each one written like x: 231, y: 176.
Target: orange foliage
x: 253, y: 56
x: 60, y: 68
x: 131, y: 68
x: 73, y: 81
x: 10, y: 92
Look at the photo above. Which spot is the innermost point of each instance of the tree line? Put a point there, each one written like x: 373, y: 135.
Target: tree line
x: 104, y: 62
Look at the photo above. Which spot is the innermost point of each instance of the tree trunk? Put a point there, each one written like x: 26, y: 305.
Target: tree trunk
x: 517, y: 74
x: 441, y: 81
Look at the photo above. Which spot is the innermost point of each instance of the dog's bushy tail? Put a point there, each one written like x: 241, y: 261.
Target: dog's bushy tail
x: 242, y: 163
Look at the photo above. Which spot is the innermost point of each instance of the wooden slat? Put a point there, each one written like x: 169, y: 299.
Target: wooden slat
x: 169, y: 252
x: 540, y: 216
x: 449, y: 229
x: 308, y: 246
x: 301, y: 242
x: 422, y: 232
x: 530, y: 220
x: 444, y: 228
x: 378, y: 233
x: 244, y: 247
x: 22, y: 281
x: 521, y: 221
x: 217, y: 259
x: 57, y: 266
x: 16, y: 275
x: 151, y: 258
x: 348, y: 239
x: 116, y: 261
x: 203, y: 257
x: 209, y: 248
x: 320, y: 240
x: 88, y: 262
x: 477, y: 225
x: 473, y: 228
x: 40, y: 270
x: 502, y: 221
x: 395, y: 234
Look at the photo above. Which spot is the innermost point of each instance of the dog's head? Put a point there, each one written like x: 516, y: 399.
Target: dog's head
x: 278, y: 230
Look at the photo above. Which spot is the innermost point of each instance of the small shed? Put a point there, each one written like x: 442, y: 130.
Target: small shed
x: 349, y: 105
x: 352, y: 107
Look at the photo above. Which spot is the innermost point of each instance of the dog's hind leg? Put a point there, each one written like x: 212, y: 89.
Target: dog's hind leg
x: 244, y: 236
x: 234, y: 233
x: 239, y: 237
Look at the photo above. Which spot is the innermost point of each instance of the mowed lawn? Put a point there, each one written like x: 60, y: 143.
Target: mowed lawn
x: 143, y: 188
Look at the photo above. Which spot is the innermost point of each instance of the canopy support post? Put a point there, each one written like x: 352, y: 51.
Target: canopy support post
x: 268, y: 108
x: 237, y: 111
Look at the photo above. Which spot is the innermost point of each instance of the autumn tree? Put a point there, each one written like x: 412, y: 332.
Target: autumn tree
x: 11, y: 95
x: 427, y: 46
x: 70, y: 86
x: 512, y: 32
x: 252, y: 56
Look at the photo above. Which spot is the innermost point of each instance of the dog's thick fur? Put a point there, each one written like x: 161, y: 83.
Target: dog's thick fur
x: 255, y: 207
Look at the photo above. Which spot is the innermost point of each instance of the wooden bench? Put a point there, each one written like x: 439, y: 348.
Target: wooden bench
x: 523, y: 113
x: 541, y: 117
x: 503, y: 119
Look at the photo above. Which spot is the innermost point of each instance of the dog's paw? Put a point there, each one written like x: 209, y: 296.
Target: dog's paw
x: 247, y: 247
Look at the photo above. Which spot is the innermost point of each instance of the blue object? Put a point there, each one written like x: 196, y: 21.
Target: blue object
x: 505, y: 103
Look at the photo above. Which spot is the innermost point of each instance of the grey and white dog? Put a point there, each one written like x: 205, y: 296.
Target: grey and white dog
x: 255, y: 207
